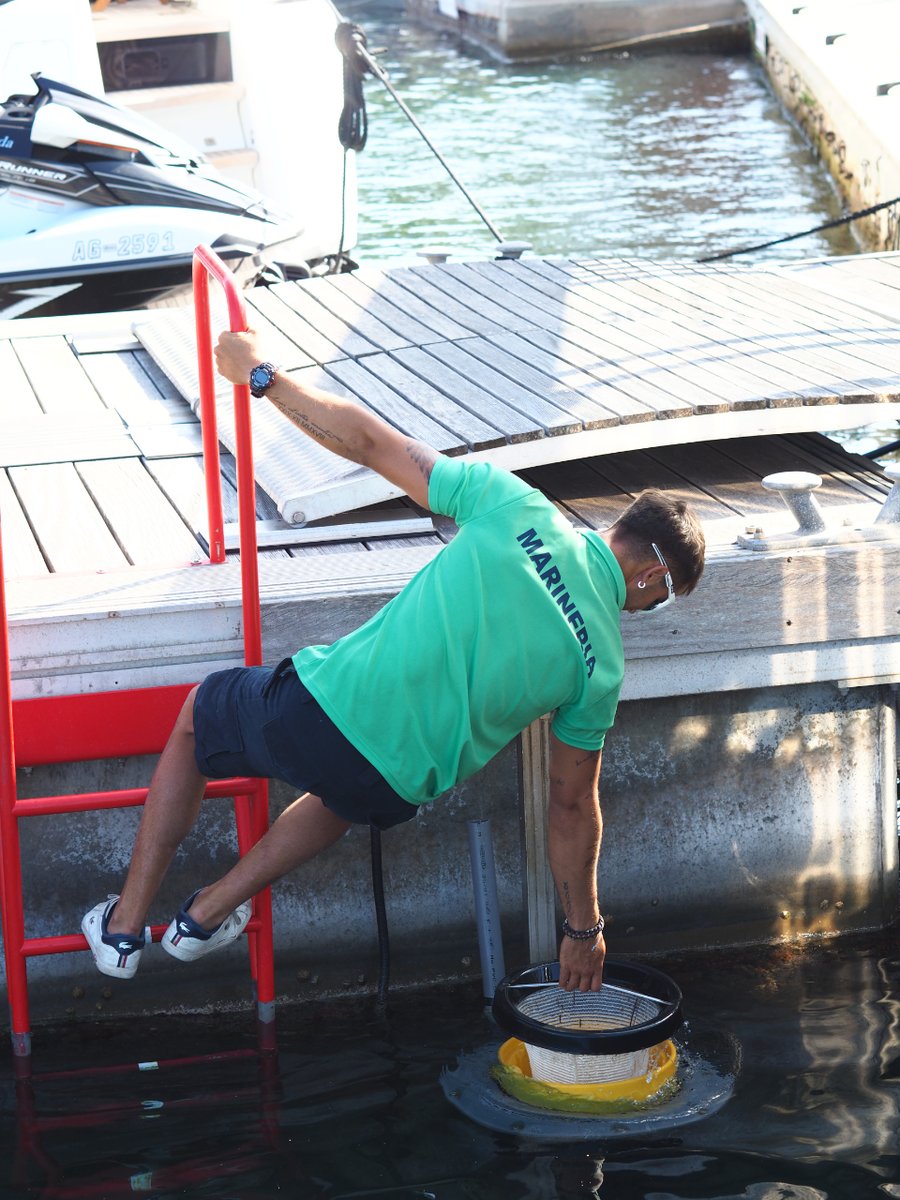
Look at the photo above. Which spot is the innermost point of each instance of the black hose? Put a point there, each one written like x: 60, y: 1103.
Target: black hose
x: 384, y: 945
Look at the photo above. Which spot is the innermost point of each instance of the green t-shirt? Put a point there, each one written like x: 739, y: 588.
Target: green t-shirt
x: 516, y: 617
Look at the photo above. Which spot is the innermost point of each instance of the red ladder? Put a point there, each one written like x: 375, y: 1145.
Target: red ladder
x: 123, y: 723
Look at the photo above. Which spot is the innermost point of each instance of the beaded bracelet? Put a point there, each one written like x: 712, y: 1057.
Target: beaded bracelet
x: 582, y: 935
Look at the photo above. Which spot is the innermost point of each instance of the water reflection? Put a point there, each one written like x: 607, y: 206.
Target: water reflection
x: 349, y: 1105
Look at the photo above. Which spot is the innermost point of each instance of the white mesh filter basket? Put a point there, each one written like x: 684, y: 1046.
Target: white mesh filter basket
x: 610, y: 1008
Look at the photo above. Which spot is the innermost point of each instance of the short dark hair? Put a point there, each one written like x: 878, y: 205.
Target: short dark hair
x: 655, y: 516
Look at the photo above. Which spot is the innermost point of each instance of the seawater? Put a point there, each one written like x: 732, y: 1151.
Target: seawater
x: 670, y: 154
x: 661, y: 155
x: 349, y: 1104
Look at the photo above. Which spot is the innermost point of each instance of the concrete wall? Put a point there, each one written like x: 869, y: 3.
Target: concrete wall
x: 729, y: 818
x: 520, y: 29
x: 835, y: 70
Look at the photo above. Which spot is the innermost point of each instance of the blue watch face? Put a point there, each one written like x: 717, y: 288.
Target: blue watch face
x: 261, y: 376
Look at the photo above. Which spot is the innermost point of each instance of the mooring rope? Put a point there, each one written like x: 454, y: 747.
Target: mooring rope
x: 854, y: 216
x: 351, y: 41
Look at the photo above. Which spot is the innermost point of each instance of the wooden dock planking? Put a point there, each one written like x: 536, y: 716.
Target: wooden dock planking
x: 70, y: 531
x: 701, y: 340
x: 643, y: 346
x: 437, y: 372
x: 57, y: 376
x: 269, y: 307
x: 143, y: 523
x: 17, y: 397
x: 367, y: 284
x: 465, y: 362
x: 21, y: 554
x: 415, y: 406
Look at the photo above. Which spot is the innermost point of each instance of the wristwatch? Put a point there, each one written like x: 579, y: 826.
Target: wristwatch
x: 261, y: 378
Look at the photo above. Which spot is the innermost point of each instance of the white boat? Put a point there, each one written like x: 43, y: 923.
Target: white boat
x: 253, y: 91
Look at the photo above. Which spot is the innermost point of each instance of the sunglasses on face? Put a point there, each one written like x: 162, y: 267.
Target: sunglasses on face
x: 657, y: 604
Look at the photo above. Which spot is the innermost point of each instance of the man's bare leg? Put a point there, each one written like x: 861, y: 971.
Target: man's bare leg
x: 170, y: 811
x: 303, y: 830
x: 173, y: 801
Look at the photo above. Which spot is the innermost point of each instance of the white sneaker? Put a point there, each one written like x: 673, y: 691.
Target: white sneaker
x: 116, y: 954
x: 187, y: 940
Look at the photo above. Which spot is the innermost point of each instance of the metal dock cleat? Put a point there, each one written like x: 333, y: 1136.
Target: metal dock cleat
x: 796, y: 489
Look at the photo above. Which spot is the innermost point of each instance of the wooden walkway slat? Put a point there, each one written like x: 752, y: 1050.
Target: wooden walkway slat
x: 512, y: 424
x: 142, y: 521
x: 21, y: 553
x: 404, y: 392
x: 57, y: 376
x: 17, y: 398
x: 69, y: 530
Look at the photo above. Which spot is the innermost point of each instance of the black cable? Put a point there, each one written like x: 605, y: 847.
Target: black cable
x: 854, y: 216
x: 384, y: 945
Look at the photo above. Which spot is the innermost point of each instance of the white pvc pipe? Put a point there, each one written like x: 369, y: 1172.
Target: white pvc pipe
x: 487, y: 906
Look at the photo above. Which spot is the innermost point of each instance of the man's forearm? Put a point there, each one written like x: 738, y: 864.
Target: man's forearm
x: 574, y: 847
x: 341, y: 426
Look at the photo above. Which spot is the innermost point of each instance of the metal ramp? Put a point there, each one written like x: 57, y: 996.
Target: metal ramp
x: 539, y: 361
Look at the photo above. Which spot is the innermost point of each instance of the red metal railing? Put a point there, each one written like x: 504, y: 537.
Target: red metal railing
x: 58, y: 729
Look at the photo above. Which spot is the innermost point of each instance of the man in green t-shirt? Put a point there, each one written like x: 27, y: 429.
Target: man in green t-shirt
x: 518, y: 616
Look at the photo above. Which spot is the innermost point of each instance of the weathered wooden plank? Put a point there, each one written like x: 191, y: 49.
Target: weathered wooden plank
x: 375, y: 305
x: 780, y: 379
x: 723, y: 478
x: 145, y: 525
x: 127, y: 389
x: 168, y: 441
x: 530, y: 403
x: 17, y: 398
x: 55, y: 439
x: 460, y: 290
x: 358, y: 317
x: 637, y: 470
x: 57, y: 376
x: 21, y: 554
x: 415, y: 407
x: 460, y: 390
x: 577, y: 411
x: 70, y: 531
x: 768, y: 340
x: 493, y: 288
x: 607, y: 383
x: 720, y: 343
x: 581, y: 492
x: 273, y: 303
x: 423, y: 286
x: 346, y: 340
x: 385, y: 285
x: 183, y: 483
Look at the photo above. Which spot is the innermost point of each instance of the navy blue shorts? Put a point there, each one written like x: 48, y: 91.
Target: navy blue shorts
x: 263, y: 723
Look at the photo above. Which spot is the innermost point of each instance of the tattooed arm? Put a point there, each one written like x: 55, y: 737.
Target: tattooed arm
x: 342, y: 426
x: 575, y: 827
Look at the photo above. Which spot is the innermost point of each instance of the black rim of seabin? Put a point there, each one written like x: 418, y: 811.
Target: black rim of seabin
x: 631, y: 977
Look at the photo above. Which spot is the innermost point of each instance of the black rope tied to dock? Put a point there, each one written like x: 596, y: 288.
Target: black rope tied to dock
x: 358, y: 62
x: 792, y: 237
x: 353, y: 125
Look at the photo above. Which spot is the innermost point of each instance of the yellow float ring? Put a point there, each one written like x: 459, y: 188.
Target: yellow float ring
x: 513, y: 1073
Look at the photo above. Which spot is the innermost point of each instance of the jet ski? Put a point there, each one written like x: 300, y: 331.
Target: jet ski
x: 101, y: 210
